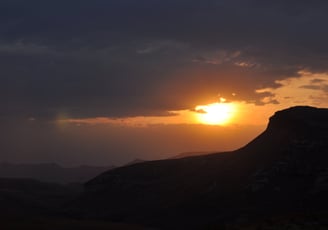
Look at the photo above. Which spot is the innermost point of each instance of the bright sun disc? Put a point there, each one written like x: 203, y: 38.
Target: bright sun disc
x: 216, y: 113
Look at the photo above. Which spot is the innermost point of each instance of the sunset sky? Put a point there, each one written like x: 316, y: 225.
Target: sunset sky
x: 104, y: 82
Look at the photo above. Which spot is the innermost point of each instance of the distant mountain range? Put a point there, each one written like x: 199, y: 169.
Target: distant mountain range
x: 189, y: 154
x: 282, y: 171
x: 54, y: 173
x: 50, y: 172
x: 277, y: 181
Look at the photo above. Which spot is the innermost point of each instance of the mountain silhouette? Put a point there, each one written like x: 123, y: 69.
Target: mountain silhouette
x: 281, y: 172
x: 51, y: 172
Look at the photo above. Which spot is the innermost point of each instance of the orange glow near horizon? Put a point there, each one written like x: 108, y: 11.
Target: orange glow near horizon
x: 219, y: 113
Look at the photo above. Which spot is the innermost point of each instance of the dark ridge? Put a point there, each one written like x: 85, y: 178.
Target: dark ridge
x: 284, y: 170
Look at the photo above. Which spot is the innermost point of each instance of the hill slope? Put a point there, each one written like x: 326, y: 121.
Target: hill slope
x: 284, y: 170
x: 50, y: 172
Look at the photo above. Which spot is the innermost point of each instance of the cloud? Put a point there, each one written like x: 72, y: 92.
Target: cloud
x: 313, y: 87
x: 300, y: 90
x: 21, y: 48
x: 129, y: 58
x: 317, y: 80
x: 164, y: 46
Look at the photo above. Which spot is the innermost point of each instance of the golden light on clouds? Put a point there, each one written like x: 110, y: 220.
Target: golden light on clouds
x: 177, y: 118
x: 219, y: 113
x: 306, y: 89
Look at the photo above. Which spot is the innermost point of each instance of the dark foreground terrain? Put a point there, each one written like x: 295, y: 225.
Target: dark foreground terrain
x: 50, y: 172
x: 278, y: 181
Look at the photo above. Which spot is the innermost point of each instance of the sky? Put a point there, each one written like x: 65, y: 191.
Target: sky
x: 104, y: 82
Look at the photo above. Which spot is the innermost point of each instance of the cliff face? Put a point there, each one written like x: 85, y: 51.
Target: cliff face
x: 288, y: 128
x: 299, y: 137
x: 285, y: 169
x: 301, y: 121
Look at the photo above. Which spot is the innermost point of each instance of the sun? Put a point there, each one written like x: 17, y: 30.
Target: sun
x: 219, y: 113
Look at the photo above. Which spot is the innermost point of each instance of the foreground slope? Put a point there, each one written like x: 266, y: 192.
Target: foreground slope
x: 31, y: 204
x: 50, y: 172
x: 284, y: 170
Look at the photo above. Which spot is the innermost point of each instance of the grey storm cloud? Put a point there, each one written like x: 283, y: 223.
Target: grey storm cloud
x: 146, y: 57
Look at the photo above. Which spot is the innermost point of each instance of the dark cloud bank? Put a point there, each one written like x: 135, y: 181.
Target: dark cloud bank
x: 124, y: 58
